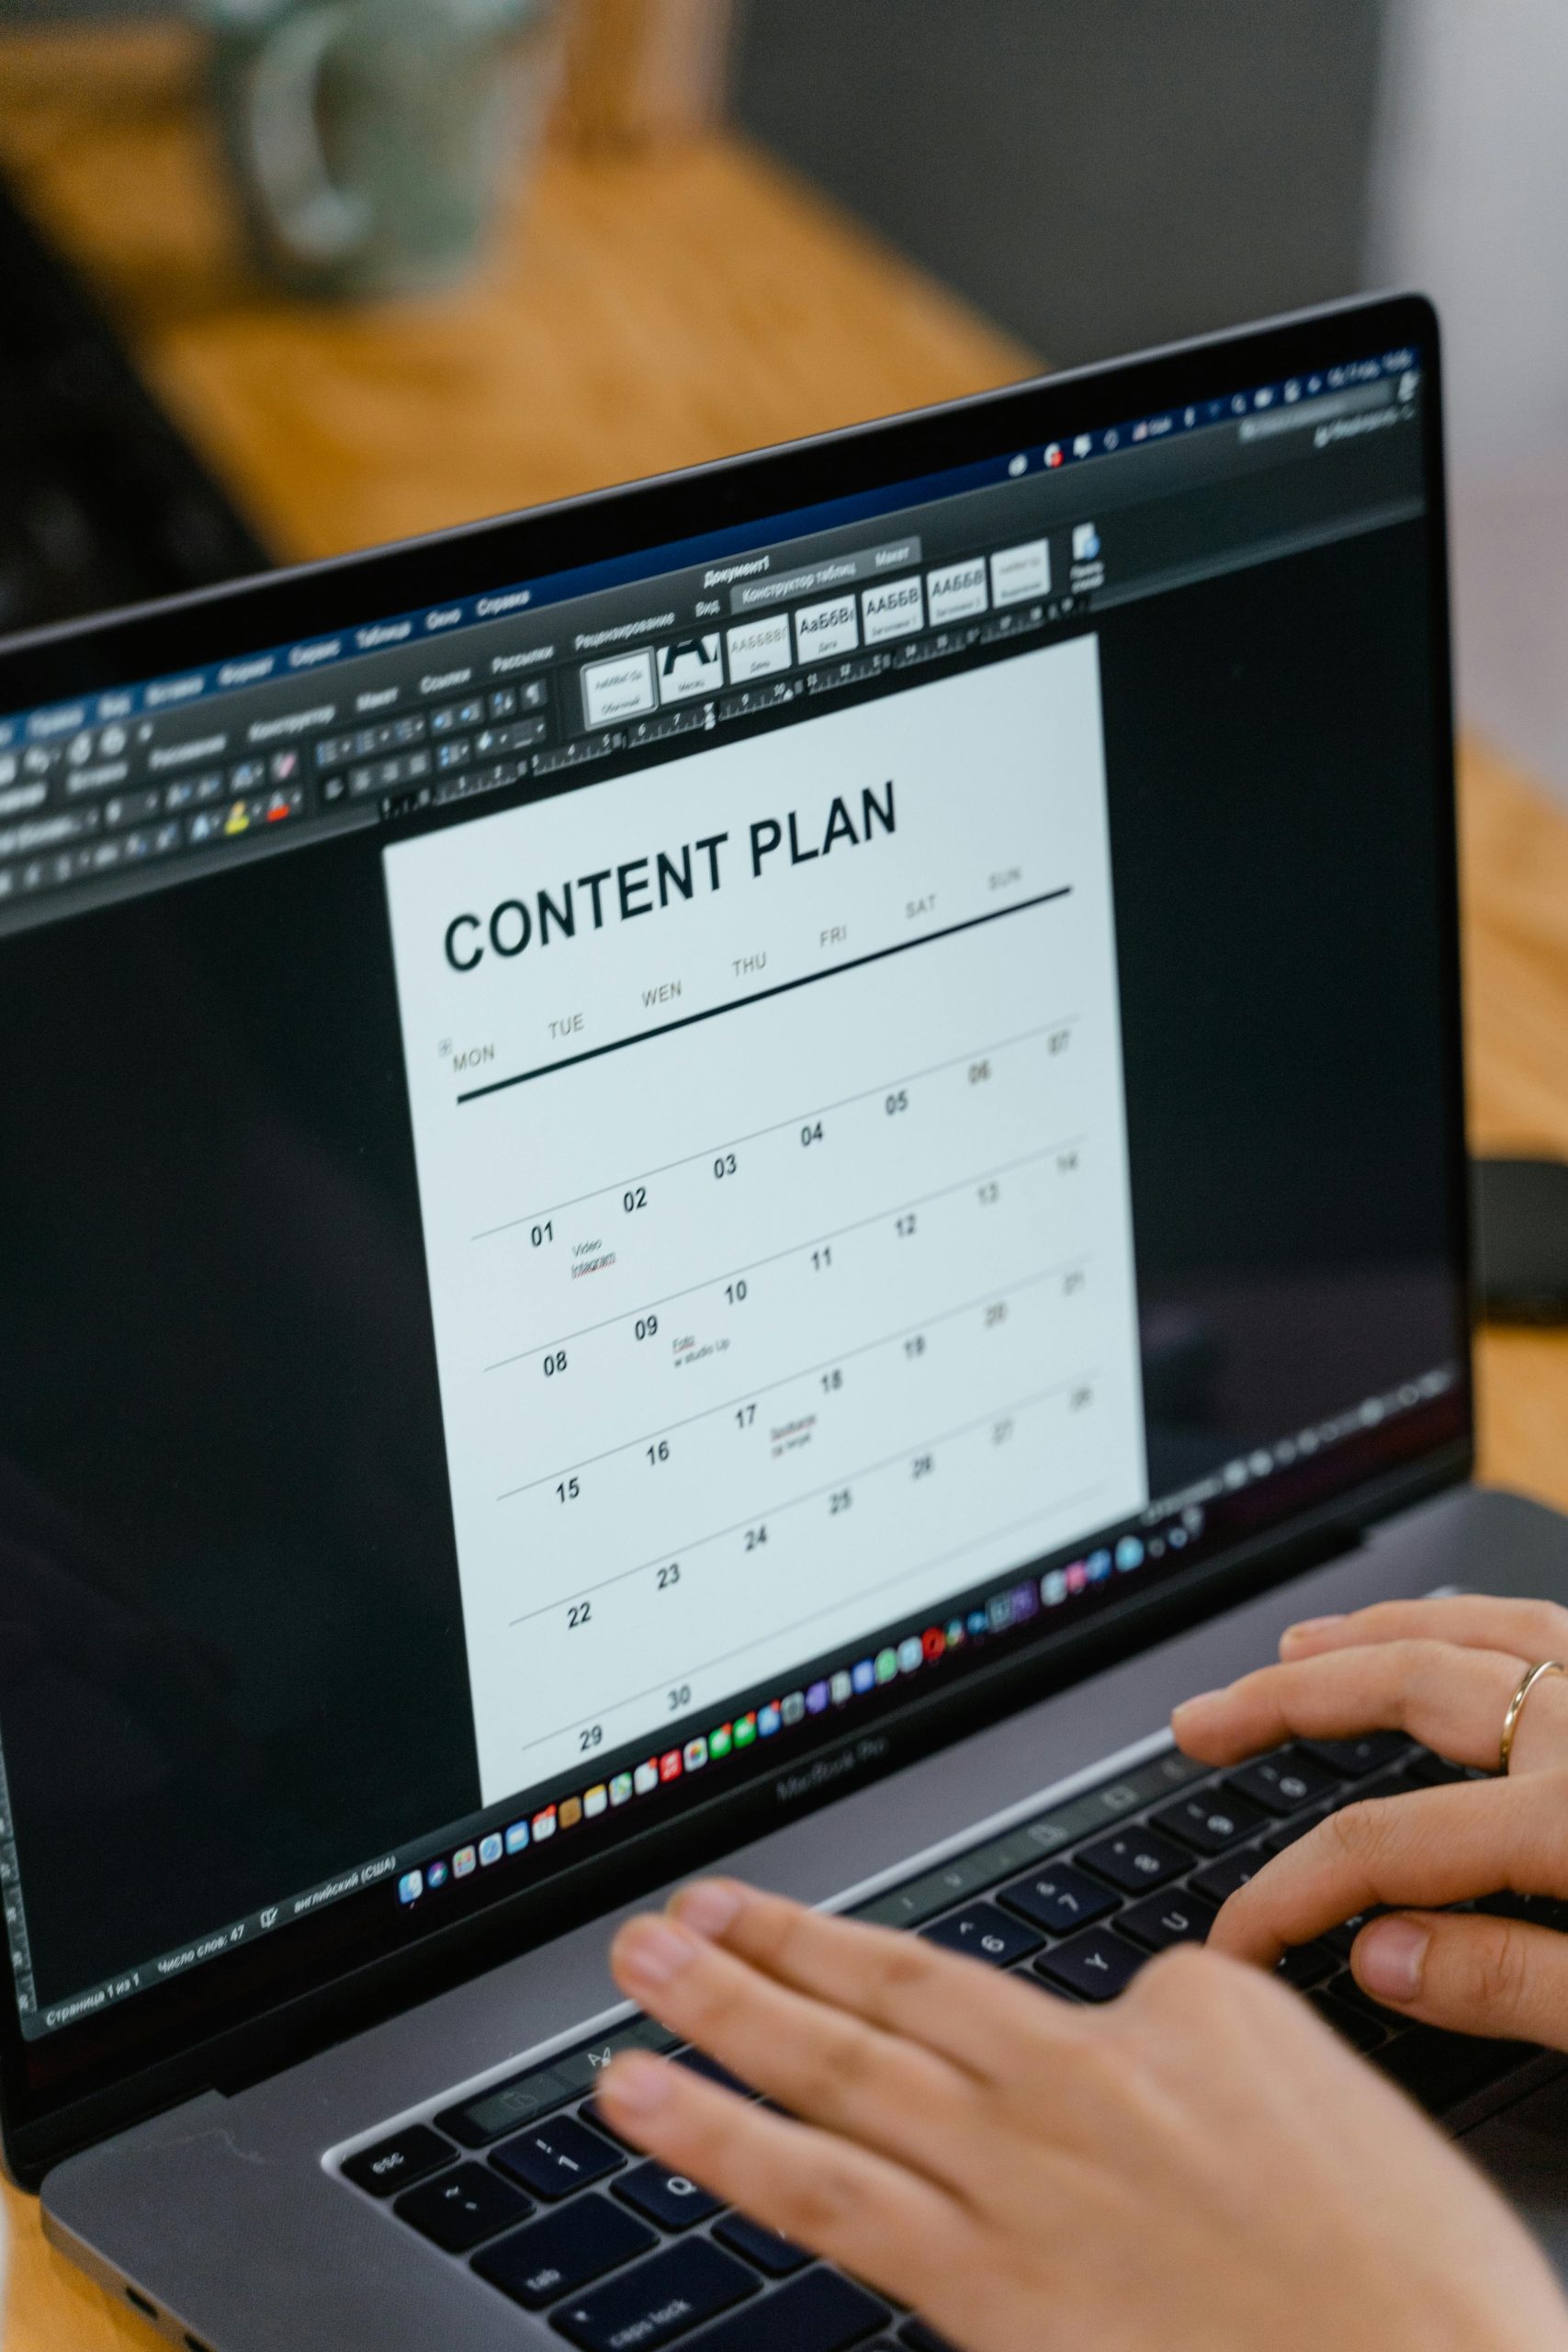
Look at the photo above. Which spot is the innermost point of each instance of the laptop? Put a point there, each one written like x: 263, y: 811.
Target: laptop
x: 727, y: 1173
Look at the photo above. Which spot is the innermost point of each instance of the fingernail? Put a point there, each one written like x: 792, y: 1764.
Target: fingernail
x: 1310, y: 1625
x: 636, y: 2084
x: 1189, y: 1706
x: 707, y: 1907
x: 1388, y: 1958
x: 651, y: 1951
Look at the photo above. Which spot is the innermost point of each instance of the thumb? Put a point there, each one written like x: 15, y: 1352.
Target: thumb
x: 1468, y: 1971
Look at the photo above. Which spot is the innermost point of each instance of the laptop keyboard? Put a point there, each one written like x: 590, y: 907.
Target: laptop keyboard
x: 525, y: 2181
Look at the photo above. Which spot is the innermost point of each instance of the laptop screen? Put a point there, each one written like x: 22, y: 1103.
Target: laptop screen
x: 617, y: 1177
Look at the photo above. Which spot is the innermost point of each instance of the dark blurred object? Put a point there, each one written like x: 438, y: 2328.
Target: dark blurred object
x: 101, y: 502
x: 1520, y: 1224
x: 1096, y: 175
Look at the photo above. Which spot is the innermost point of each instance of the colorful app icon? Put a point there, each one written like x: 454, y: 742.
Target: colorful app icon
x: 544, y: 1824
x: 570, y: 1812
x: 621, y: 1789
x: 435, y: 1876
x: 1129, y: 1553
x: 644, y: 1780
x: 841, y: 1688
x: 411, y: 1886
x: 1053, y: 1587
x: 792, y: 1707
x: 463, y: 1862
x: 720, y: 1742
x: 816, y: 1698
x: 863, y: 1674
x: 670, y: 1765
x: 980, y: 1622
x: 955, y: 1632
x: 933, y: 1641
x: 595, y: 1801
x: 745, y: 1730
x: 767, y: 1721
x: 517, y: 1837
x: 490, y: 1849
x: 1077, y: 1574
x: 695, y: 1753
x: 886, y: 1665
x: 999, y: 1612
x: 1099, y: 1565
x: 910, y: 1655
x: 1025, y: 1603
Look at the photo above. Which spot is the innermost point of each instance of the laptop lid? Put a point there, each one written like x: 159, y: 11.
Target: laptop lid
x: 660, y: 1152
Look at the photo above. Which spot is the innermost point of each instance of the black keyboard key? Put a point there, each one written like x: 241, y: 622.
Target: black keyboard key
x: 663, y: 2298
x: 919, y: 2337
x: 1219, y: 1880
x: 1353, y: 2025
x: 1161, y: 1921
x: 1136, y: 1859
x: 820, y: 2313
x: 1283, y: 1783
x: 1305, y: 1965
x: 1340, y: 1938
x: 564, y: 2251
x: 463, y: 2208
x: 1353, y: 1758
x: 985, y: 1933
x: 397, y: 2162
x: 667, y: 2198
x: 1058, y: 1899
x: 1385, y: 1784
x: 1441, y: 2069
x: 1212, y: 1820
x: 779, y: 2256
x: 1426, y: 1771
x: 555, y: 2157
x: 697, y: 2061
x: 1287, y: 1832
x: 1096, y: 1965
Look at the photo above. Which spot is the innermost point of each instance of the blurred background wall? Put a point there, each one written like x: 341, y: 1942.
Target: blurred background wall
x: 1099, y: 174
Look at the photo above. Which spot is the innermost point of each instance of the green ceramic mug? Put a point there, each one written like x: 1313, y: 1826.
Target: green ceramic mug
x: 366, y: 137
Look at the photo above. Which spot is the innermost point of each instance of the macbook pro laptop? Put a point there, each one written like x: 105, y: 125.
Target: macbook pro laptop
x: 728, y: 1173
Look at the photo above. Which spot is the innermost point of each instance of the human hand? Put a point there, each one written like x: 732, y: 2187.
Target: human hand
x: 1199, y: 2167
x: 1443, y: 1671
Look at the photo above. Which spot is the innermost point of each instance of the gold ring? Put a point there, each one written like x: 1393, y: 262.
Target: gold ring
x: 1527, y: 1680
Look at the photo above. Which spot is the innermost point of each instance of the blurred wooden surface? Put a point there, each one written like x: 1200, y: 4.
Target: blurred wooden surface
x: 640, y: 311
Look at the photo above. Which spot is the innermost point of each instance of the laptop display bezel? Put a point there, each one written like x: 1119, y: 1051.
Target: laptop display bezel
x: 199, y: 2043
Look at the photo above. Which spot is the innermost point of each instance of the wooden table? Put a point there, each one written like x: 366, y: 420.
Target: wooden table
x: 637, y: 314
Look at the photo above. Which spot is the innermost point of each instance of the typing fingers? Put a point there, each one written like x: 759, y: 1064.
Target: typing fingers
x: 1454, y: 1700
x: 882, y: 2222
x: 1431, y: 1846
x: 824, y: 2064
x: 1528, y: 1630
x: 1469, y: 1971
x: 898, y: 1982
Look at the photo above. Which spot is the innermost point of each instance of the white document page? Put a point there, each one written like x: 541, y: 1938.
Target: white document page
x: 769, y: 1116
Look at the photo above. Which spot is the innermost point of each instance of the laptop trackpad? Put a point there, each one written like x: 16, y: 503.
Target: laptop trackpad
x: 1525, y: 2149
